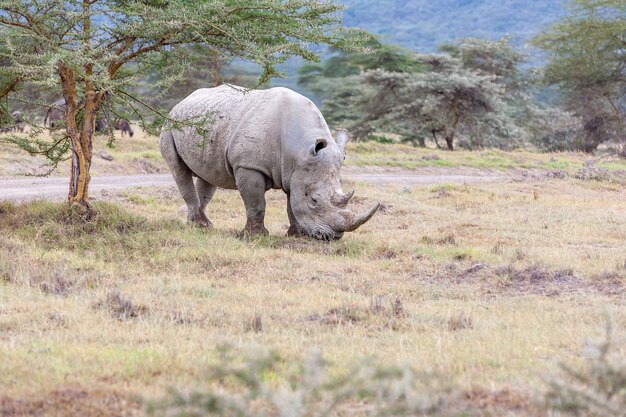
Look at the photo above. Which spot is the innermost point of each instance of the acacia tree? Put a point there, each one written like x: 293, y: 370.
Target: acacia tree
x: 445, y: 101
x: 588, y: 64
x: 442, y: 103
x: 473, y: 91
x: 94, y: 51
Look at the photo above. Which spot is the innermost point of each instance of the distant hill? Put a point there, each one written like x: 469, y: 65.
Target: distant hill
x: 422, y: 25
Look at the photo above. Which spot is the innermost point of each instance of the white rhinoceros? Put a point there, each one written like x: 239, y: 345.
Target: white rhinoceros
x: 254, y: 140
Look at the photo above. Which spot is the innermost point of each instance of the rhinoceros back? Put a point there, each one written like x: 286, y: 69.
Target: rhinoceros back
x: 202, y: 145
x: 258, y: 129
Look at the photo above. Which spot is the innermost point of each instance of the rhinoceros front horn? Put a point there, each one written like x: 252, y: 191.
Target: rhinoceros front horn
x: 342, y: 200
x: 351, y: 222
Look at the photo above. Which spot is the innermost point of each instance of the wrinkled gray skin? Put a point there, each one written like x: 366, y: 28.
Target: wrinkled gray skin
x: 254, y: 141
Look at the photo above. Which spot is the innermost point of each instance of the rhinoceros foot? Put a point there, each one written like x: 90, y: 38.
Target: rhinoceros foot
x: 200, y: 219
x: 254, y: 228
x: 294, y: 231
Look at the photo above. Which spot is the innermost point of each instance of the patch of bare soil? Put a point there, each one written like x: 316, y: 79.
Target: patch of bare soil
x: 153, y: 174
x: 592, y: 172
x: 502, y: 402
x: 120, y: 307
x: 379, y: 314
x: 73, y: 401
x: 535, y: 279
x: 458, y: 175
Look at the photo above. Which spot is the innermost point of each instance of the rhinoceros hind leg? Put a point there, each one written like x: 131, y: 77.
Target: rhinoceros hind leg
x: 205, y: 194
x: 252, y: 186
x: 184, y: 180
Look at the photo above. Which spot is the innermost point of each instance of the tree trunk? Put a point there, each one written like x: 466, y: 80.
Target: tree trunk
x: 434, y: 132
x: 81, y: 134
x: 216, y: 72
x: 80, y: 137
x: 450, y: 132
x: 215, y: 64
x: 450, y: 140
x: 593, y: 131
x: 80, y: 144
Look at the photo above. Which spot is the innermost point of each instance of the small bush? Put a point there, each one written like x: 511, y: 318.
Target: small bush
x: 379, y: 139
x: 309, y: 390
x: 120, y: 307
x: 596, y: 390
x: 460, y: 322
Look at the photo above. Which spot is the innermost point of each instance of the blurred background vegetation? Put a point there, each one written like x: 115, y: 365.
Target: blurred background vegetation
x: 547, y: 76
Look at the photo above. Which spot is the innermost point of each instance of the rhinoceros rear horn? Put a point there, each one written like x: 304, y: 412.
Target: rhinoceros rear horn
x: 342, y: 200
x: 353, y: 222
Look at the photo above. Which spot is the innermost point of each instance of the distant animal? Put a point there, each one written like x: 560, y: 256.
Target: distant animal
x: 124, y: 126
x: 101, y: 125
x: 55, y: 114
x: 256, y: 140
x: 20, y: 123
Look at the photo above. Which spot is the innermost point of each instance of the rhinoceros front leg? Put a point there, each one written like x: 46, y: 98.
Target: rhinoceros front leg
x: 252, y: 186
x: 294, y: 229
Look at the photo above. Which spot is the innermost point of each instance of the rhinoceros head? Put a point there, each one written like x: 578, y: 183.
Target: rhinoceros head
x: 317, y: 201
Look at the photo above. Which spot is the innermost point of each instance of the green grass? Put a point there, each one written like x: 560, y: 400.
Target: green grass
x: 410, y: 157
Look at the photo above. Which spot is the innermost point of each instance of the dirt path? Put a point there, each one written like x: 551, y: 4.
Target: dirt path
x: 56, y: 187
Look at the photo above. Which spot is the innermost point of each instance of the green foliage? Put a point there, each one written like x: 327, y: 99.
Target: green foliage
x: 597, y: 390
x: 474, y: 92
x: 378, y: 139
x: 497, y: 58
x: 588, y: 63
x: 259, y: 388
x: 106, y: 46
x: 5, y: 116
x: 322, y: 79
x: 555, y: 130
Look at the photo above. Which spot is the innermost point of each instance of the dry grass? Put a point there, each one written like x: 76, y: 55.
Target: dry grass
x: 140, y: 155
x: 137, y: 155
x: 485, y: 284
x: 406, y: 156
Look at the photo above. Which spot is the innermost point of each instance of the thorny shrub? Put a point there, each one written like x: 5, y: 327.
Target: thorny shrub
x: 596, y: 390
x: 255, y: 390
x: 265, y: 386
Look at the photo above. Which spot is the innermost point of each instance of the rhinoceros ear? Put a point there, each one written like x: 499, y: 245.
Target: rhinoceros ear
x: 341, y: 137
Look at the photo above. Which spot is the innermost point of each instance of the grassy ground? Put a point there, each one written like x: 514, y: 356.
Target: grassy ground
x: 406, y: 156
x: 137, y: 155
x: 486, y: 285
x: 140, y: 155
